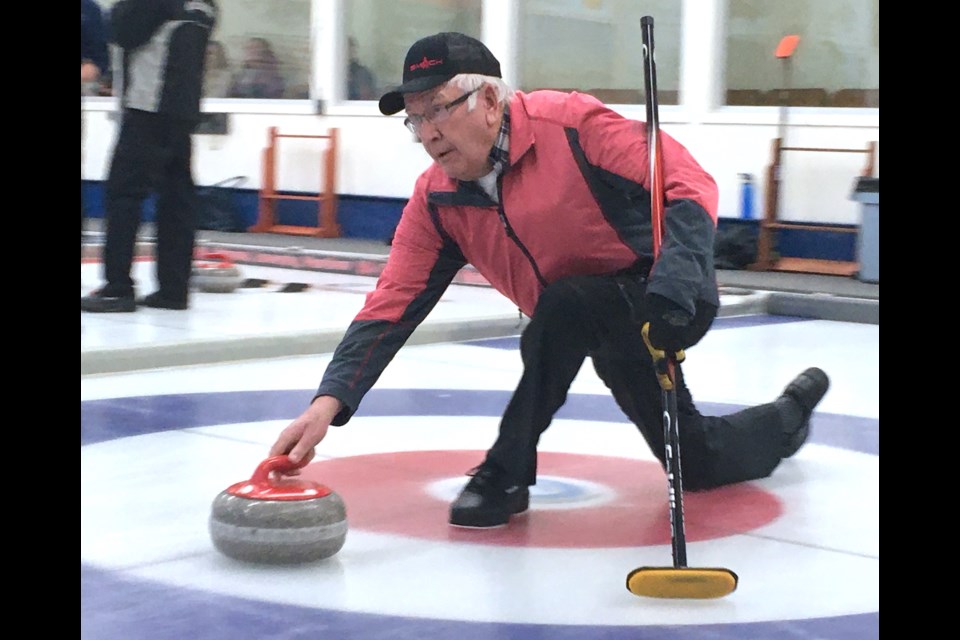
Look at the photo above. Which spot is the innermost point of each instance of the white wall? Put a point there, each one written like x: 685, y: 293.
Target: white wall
x: 378, y: 157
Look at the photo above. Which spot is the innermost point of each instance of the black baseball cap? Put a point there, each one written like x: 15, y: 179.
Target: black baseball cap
x: 433, y: 60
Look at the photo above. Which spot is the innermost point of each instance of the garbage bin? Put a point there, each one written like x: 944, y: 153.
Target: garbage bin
x: 867, y: 193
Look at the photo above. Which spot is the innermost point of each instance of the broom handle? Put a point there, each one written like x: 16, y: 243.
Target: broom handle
x: 671, y: 430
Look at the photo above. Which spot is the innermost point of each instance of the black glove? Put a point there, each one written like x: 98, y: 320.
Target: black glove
x: 668, y: 323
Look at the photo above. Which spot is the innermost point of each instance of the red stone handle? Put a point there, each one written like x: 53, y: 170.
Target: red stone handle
x: 263, y: 486
x: 274, y: 463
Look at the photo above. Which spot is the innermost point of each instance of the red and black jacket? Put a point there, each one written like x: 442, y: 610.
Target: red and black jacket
x: 575, y: 200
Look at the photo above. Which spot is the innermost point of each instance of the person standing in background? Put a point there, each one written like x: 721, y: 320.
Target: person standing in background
x: 94, y: 64
x: 164, y: 48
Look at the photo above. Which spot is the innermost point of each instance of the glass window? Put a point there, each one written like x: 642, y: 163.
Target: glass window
x: 257, y: 51
x: 266, y: 51
x: 594, y: 46
x: 380, y: 33
x: 836, y: 62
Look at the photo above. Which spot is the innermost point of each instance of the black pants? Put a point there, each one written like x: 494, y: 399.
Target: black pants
x: 153, y: 154
x: 601, y: 316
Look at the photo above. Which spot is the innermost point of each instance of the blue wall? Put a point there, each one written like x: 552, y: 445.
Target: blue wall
x: 360, y: 217
x: 370, y: 218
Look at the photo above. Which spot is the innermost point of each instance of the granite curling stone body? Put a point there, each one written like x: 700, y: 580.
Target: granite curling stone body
x: 216, y: 274
x: 278, y: 521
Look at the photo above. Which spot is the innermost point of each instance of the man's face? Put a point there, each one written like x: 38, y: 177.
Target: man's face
x: 461, y: 143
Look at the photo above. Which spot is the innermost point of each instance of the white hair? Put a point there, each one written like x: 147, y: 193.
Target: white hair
x: 471, y: 81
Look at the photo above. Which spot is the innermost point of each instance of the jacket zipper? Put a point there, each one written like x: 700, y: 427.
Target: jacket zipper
x: 513, y: 236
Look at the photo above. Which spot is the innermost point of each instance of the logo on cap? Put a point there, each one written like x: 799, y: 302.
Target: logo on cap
x: 425, y: 64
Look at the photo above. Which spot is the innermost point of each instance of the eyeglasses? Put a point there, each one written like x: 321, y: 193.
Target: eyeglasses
x: 435, y: 114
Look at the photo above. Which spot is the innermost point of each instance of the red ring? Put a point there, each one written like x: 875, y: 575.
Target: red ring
x: 386, y: 493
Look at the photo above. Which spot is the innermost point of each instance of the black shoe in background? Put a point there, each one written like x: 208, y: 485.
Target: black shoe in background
x: 488, y: 500
x: 796, y: 404
x: 158, y: 301
x: 100, y: 302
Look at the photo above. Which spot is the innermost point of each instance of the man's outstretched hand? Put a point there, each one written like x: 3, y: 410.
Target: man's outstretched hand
x: 299, y: 439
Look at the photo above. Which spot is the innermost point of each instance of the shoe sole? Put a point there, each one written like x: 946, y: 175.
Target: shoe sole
x: 499, y: 525
x: 129, y: 309
x: 819, y: 379
x: 467, y: 523
x: 801, y: 435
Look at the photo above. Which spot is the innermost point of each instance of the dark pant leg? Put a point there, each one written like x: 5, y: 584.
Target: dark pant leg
x: 714, y: 450
x: 626, y: 367
x: 600, y: 316
x: 176, y: 211
x: 573, y: 317
x: 133, y: 169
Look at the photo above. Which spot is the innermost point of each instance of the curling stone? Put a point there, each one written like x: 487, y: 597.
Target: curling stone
x: 269, y: 520
x: 215, y: 274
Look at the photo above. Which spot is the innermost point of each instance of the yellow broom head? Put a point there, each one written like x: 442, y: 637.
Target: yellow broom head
x: 681, y: 582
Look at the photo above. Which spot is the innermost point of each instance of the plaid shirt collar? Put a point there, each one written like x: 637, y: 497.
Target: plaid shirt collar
x: 500, y: 153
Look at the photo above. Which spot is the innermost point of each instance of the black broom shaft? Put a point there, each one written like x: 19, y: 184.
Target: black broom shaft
x: 671, y: 432
x: 674, y: 479
x: 649, y: 74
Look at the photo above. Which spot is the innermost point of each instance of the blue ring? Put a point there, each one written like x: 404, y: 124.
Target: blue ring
x: 111, y: 418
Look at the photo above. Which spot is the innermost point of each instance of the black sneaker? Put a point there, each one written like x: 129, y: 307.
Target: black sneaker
x: 98, y: 302
x: 806, y: 390
x: 157, y: 301
x: 487, y: 501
